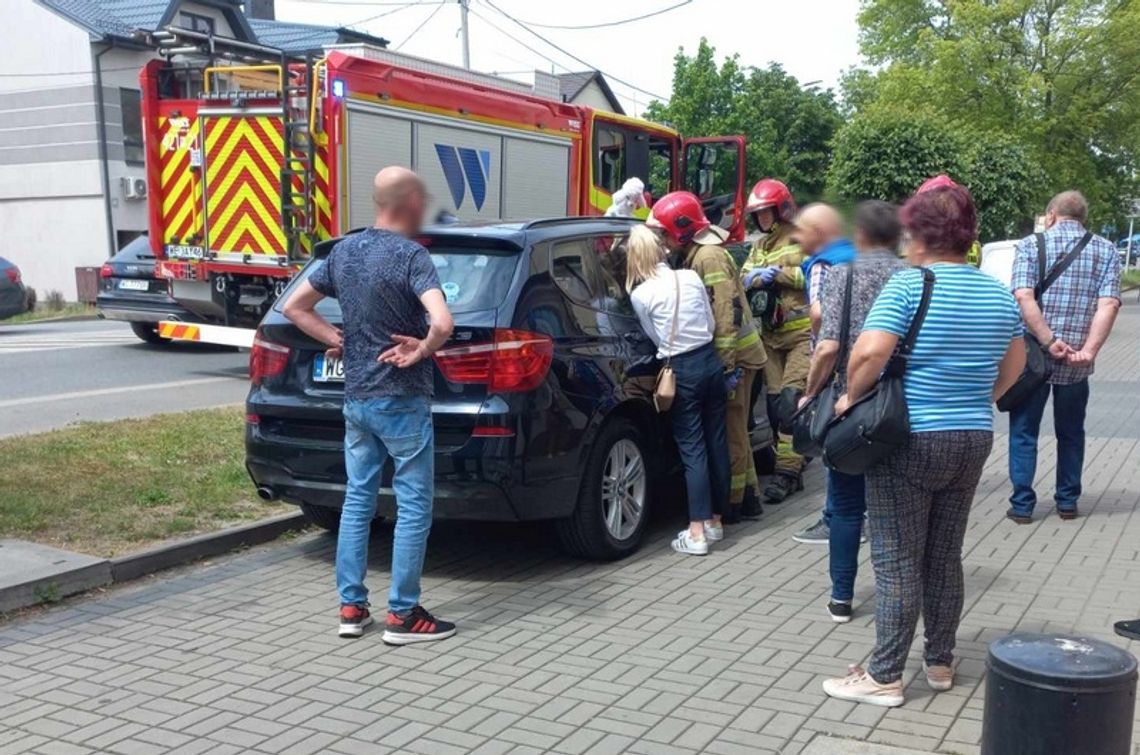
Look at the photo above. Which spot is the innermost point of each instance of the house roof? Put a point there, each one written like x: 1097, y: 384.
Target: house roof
x: 294, y: 38
x: 118, y: 18
x: 572, y: 84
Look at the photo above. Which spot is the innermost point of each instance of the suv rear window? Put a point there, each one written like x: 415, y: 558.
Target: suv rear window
x: 472, y: 280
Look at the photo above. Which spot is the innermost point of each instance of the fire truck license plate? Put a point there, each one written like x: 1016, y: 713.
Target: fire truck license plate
x: 327, y: 370
x: 181, y: 251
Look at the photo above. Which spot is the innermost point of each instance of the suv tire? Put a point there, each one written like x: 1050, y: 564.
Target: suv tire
x: 323, y: 516
x: 148, y: 331
x: 619, y: 468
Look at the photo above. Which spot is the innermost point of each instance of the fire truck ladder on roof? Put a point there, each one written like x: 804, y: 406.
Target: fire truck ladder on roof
x: 297, y: 172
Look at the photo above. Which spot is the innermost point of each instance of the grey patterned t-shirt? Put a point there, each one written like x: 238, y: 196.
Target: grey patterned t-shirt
x: 378, y: 278
x: 872, y: 270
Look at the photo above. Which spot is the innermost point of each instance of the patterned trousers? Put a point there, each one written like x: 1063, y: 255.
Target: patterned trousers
x: 918, y: 503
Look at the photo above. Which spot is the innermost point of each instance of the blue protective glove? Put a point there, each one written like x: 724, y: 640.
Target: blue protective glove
x: 762, y: 275
x: 732, y: 379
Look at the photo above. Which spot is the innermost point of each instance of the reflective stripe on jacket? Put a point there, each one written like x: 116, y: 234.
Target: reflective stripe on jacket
x: 736, y: 337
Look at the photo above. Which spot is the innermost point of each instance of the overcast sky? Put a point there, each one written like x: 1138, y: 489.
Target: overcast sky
x: 815, y: 40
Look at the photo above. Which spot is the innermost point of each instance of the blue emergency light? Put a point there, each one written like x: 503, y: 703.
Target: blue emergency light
x: 338, y: 87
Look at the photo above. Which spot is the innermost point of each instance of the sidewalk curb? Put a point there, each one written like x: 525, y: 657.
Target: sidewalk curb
x: 135, y: 565
x: 94, y: 572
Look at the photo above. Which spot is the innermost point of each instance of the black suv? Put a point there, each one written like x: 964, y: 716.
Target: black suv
x: 542, y: 404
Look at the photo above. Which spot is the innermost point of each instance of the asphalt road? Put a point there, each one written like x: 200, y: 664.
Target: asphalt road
x: 54, y: 374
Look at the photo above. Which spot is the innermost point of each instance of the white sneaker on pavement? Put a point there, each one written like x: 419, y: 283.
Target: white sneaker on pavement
x: 714, y: 533
x: 685, y: 543
x: 859, y: 687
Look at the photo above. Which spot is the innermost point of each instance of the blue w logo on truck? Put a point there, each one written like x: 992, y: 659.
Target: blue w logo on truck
x: 463, y: 167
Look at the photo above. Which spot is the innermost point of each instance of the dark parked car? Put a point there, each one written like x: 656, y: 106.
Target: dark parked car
x: 542, y: 404
x: 15, y: 297
x: 129, y: 291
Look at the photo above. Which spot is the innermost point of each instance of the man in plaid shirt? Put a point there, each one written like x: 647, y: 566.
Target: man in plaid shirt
x: 1073, y: 320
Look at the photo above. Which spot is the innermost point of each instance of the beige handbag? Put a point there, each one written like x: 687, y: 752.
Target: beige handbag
x: 666, y: 387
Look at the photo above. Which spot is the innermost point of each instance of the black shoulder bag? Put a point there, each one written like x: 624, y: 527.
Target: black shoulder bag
x: 879, y: 422
x: 809, y: 424
x: 1038, y: 363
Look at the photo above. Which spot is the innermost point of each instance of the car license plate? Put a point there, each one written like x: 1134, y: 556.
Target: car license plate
x: 327, y: 370
x: 134, y: 285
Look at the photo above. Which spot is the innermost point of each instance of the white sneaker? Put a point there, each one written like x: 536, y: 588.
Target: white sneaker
x: 939, y: 678
x: 685, y: 543
x: 859, y: 687
x: 714, y: 533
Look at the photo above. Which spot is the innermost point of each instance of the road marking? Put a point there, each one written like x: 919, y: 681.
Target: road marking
x: 58, y: 341
x: 111, y: 391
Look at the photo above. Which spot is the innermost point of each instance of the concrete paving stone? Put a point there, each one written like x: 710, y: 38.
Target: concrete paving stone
x: 22, y: 743
x: 59, y: 747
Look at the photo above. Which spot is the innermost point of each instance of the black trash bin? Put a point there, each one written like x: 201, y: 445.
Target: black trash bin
x: 1054, y: 695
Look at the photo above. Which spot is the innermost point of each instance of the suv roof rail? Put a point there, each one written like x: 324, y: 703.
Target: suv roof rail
x: 578, y: 219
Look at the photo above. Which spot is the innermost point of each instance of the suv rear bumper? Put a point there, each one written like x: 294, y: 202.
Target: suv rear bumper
x: 477, y: 481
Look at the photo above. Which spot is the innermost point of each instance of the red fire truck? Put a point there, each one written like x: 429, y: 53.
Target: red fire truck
x: 253, y: 156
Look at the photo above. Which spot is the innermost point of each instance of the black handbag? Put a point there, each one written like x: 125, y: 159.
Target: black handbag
x: 879, y: 422
x: 1038, y: 363
x: 809, y: 424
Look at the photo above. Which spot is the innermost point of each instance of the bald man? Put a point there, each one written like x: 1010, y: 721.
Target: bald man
x: 394, y: 318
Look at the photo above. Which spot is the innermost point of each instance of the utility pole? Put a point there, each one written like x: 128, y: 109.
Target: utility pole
x: 463, y: 33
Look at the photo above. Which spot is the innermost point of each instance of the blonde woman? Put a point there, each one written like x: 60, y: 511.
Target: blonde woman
x: 674, y: 311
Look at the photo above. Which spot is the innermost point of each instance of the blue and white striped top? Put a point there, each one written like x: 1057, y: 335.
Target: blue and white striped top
x: 972, y: 318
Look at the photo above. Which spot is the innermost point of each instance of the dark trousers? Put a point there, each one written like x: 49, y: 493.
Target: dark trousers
x: 846, y: 504
x: 699, y: 429
x: 1069, y: 405
x: 918, y: 500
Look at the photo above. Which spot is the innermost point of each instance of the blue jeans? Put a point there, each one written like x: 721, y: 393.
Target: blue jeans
x: 699, y: 429
x: 846, y: 504
x: 396, y: 427
x: 1069, y: 405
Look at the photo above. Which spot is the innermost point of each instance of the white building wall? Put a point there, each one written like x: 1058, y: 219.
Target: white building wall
x: 51, y: 206
x: 593, y: 96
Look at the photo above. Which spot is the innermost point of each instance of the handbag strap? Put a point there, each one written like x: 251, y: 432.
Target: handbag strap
x: 1044, y: 281
x: 845, y: 318
x: 676, y: 313
x: 897, y: 365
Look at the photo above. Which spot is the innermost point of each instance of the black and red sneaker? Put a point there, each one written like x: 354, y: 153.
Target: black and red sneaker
x: 353, y: 619
x: 417, y: 626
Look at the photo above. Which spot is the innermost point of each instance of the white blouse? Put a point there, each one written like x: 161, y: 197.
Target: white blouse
x: 655, y: 300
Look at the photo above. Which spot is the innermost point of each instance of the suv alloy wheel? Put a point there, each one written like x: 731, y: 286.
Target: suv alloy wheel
x: 613, y: 500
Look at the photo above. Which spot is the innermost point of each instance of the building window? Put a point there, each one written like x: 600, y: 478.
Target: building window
x: 196, y: 22
x: 131, y: 106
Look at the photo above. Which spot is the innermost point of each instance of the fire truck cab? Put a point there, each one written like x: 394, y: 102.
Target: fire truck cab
x: 253, y: 156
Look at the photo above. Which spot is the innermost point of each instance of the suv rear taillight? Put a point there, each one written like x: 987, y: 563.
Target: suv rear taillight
x: 516, y: 360
x: 13, y: 274
x: 266, y: 359
x: 106, y: 271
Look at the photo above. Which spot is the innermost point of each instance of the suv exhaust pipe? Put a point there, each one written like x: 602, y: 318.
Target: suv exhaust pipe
x: 267, y: 493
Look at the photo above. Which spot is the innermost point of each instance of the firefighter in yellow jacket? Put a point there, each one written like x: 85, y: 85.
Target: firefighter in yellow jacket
x: 698, y: 246
x: 774, y: 279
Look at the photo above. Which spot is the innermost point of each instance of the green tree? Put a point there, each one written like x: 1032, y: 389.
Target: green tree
x: 788, y: 128
x: 888, y: 154
x: 1057, y: 77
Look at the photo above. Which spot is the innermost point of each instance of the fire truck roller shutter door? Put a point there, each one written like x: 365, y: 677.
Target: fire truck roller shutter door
x: 462, y: 169
x: 536, y: 178
x: 374, y: 142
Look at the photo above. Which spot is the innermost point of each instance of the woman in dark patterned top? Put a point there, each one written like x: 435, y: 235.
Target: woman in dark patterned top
x: 876, y: 240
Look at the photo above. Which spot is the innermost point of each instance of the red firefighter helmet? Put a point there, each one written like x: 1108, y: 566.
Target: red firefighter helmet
x: 771, y: 193
x: 680, y: 215
x: 938, y: 182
